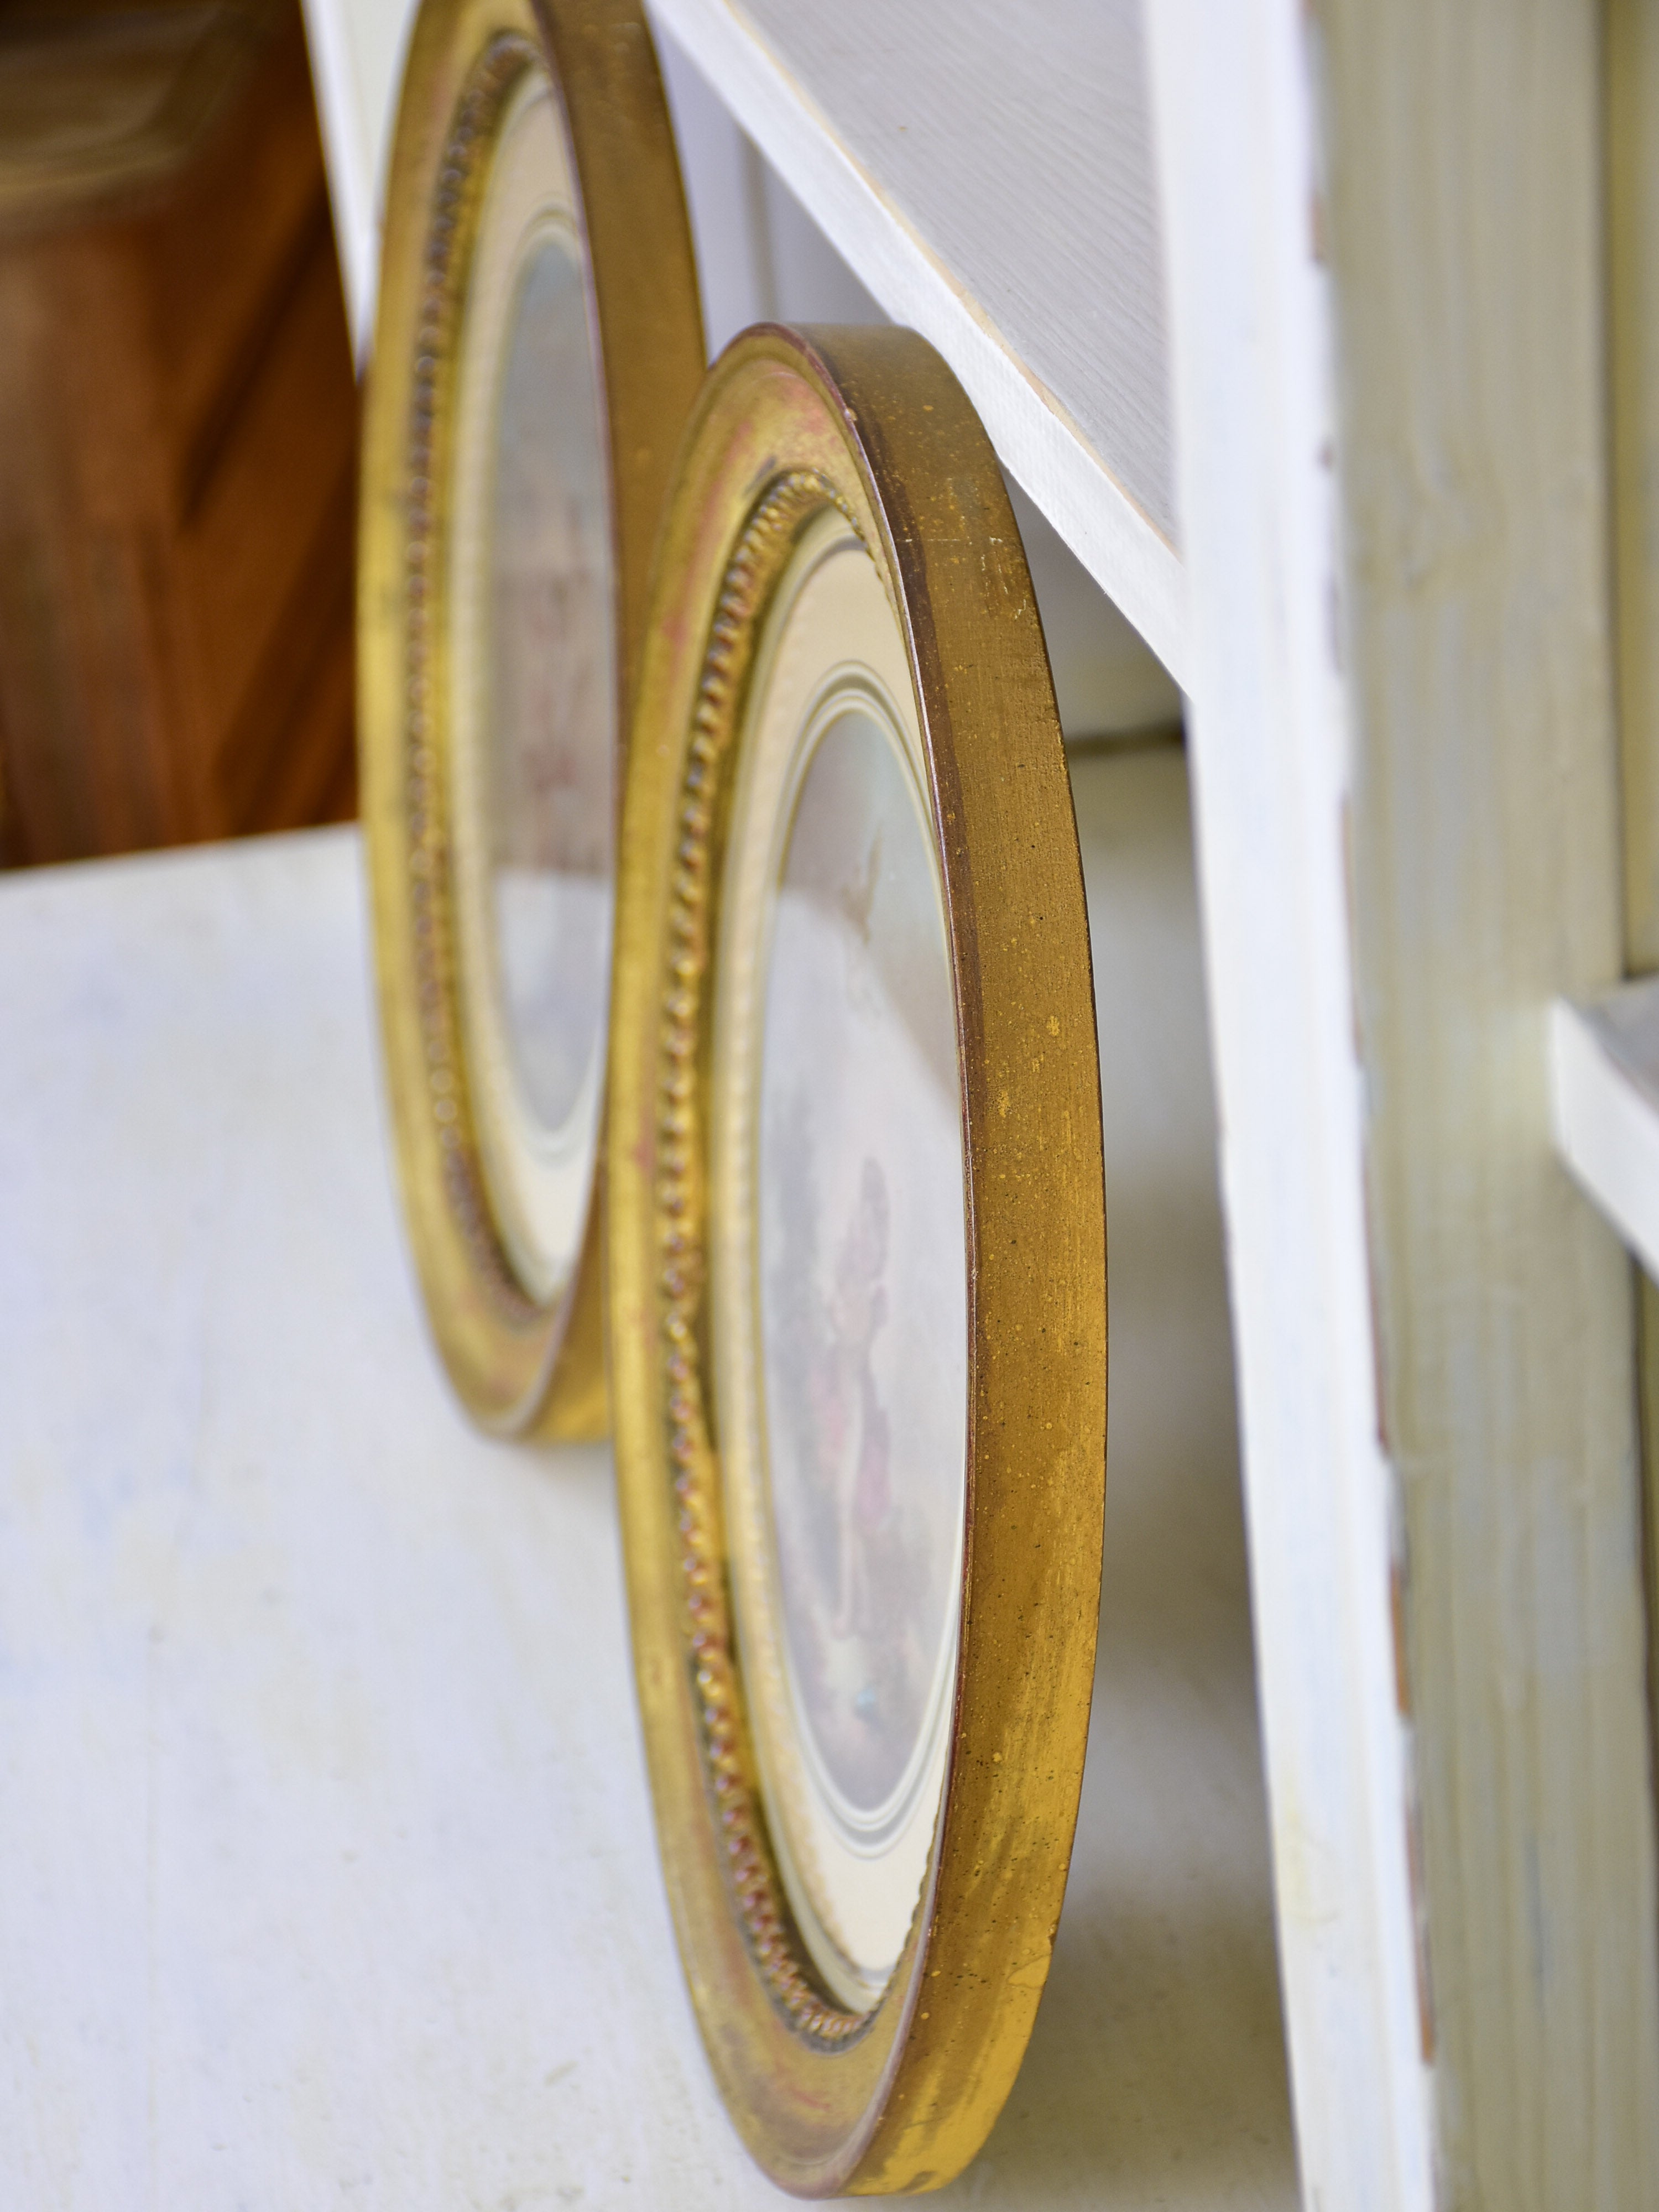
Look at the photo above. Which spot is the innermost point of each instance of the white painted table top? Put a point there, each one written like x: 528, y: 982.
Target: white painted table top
x: 326, y: 1869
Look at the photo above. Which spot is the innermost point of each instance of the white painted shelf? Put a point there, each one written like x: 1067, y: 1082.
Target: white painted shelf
x: 328, y: 1875
x: 987, y: 170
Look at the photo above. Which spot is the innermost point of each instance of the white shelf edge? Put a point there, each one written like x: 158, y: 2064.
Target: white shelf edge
x: 1037, y: 440
x: 1607, y: 1127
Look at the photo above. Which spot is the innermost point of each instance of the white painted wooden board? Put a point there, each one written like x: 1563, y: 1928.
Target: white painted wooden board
x: 1012, y: 139
x: 1464, y: 200
x: 326, y: 1872
x: 988, y: 173
x: 1250, y: 309
x: 1388, y: 324
x: 762, y: 256
x: 1604, y: 1070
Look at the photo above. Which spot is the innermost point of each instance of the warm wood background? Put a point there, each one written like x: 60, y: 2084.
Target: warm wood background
x: 178, y: 435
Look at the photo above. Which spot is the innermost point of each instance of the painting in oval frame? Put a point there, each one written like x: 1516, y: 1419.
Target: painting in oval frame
x: 857, y: 1259
x: 537, y: 348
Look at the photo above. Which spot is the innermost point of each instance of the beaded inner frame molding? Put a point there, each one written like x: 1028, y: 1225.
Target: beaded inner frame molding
x: 897, y: 2097
x: 430, y: 849
x: 762, y: 551
x: 522, y: 1363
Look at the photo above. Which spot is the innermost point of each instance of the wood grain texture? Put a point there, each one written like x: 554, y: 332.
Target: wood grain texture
x: 143, y: 85
x: 1463, y: 233
x: 1386, y: 258
x: 1630, y: 76
x: 176, y: 496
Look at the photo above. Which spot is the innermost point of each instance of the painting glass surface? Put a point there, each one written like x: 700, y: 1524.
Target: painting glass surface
x: 860, y: 1268
x: 552, y: 705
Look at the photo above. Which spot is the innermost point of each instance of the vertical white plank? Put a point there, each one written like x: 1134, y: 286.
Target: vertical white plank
x: 1268, y: 733
x: 1630, y: 70
x: 1465, y: 226
x: 1386, y: 260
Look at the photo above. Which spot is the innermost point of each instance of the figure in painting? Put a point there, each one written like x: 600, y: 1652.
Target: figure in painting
x: 850, y: 1576
x: 858, y: 1309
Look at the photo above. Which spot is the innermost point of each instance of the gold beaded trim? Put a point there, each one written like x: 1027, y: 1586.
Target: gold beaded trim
x: 448, y: 249
x: 769, y: 1928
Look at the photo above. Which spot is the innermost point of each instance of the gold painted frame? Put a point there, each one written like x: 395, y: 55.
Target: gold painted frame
x: 871, y: 421
x: 522, y: 1364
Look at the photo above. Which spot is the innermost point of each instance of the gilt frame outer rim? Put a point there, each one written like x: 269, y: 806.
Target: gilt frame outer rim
x: 899, y: 2099
x: 521, y: 1365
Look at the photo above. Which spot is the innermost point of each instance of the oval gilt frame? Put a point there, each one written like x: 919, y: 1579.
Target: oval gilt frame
x: 898, y: 2098
x: 523, y: 1364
